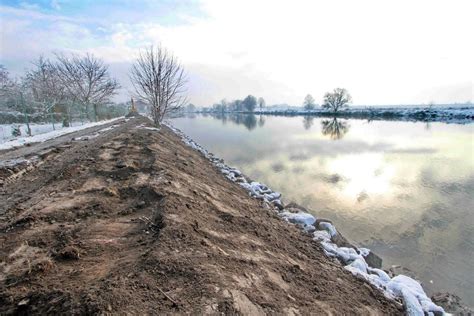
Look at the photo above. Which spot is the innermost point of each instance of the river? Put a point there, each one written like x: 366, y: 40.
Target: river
x: 403, y: 189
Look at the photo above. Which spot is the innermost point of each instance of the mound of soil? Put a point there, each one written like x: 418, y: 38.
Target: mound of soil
x: 133, y: 221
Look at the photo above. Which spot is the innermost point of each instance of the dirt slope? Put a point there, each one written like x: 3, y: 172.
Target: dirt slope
x: 136, y: 222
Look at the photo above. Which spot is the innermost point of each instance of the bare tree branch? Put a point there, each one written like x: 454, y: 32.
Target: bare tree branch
x: 337, y: 99
x: 160, y: 81
x: 86, y: 79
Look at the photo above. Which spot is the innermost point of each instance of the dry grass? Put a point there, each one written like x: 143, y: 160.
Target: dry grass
x: 24, y: 261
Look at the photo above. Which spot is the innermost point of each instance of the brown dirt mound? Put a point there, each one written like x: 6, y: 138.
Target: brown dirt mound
x: 136, y: 222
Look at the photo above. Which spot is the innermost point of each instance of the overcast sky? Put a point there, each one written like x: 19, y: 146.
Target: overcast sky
x: 383, y: 52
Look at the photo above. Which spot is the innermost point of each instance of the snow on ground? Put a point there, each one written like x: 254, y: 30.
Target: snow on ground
x: 6, y: 129
x: 41, y: 133
x: 142, y: 126
x: 401, y: 287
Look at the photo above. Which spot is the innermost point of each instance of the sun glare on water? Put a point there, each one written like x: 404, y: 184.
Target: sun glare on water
x: 364, y: 174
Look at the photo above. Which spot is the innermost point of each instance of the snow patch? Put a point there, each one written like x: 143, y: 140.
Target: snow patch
x: 142, y: 126
x: 298, y: 218
x: 21, y: 141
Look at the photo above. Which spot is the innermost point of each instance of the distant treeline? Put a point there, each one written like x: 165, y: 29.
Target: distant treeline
x: 336, y: 104
x: 427, y: 114
x: 248, y: 104
x: 333, y: 101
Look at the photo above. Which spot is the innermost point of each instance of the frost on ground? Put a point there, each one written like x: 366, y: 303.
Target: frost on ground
x: 401, y: 287
x: 43, y: 136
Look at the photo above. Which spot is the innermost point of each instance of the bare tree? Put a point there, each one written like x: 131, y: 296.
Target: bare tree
x: 337, y: 99
x: 159, y: 80
x: 46, y: 86
x: 87, y: 80
x: 4, y: 77
x: 7, y: 88
x: 261, y: 103
x: 308, y: 102
x: 12, y: 96
x: 249, y: 103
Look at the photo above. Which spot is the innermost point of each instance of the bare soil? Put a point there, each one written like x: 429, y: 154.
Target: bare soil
x: 135, y: 222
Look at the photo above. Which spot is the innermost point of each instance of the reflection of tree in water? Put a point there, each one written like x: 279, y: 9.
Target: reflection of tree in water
x: 220, y: 116
x: 334, y: 129
x: 261, y: 121
x: 248, y: 120
x: 190, y: 115
x: 308, y: 121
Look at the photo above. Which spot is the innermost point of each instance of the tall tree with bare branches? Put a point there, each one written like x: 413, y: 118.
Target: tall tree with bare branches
x: 12, y: 96
x: 46, y: 86
x: 160, y: 81
x: 87, y: 79
x: 337, y: 99
x: 6, y: 86
x: 261, y: 103
x: 308, y: 103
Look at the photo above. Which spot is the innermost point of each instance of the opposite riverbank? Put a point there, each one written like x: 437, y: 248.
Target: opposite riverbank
x: 458, y: 115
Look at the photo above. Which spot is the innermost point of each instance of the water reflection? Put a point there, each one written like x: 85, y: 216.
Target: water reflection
x: 250, y: 121
x: 334, y: 129
x: 308, y: 121
x: 401, y: 188
x: 247, y: 120
x: 190, y: 115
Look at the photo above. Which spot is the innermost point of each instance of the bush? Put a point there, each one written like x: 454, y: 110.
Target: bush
x: 16, y: 131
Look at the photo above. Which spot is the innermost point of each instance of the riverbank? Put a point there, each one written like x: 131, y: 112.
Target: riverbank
x: 459, y: 115
x: 135, y: 221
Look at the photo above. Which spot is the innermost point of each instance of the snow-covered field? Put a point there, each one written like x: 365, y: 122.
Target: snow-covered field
x: 40, y: 132
x: 400, y: 287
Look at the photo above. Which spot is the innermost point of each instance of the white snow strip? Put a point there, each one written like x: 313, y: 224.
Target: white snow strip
x: 50, y: 135
x: 17, y: 161
x: 109, y: 128
x: 151, y: 128
x: 87, y: 137
x: 298, y: 218
x: 328, y: 227
x: 142, y: 126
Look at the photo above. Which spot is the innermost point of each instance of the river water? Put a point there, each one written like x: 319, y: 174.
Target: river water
x: 403, y: 189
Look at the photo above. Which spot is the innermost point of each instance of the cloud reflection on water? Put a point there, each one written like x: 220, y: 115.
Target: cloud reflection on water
x: 397, y: 187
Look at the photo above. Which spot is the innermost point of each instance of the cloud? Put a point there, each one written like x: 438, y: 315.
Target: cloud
x: 382, y: 52
x: 55, y: 5
x: 29, y: 6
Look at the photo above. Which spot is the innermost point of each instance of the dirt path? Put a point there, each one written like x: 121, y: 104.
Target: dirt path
x: 133, y: 221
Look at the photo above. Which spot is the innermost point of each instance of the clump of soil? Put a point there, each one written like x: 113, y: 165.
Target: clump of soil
x: 69, y: 253
x: 145, y: 225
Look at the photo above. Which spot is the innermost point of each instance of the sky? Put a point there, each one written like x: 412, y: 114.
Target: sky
x: 382, y: 52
